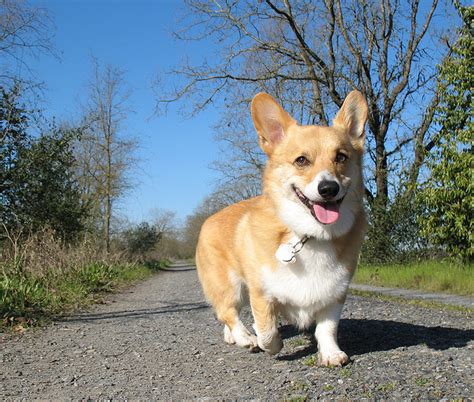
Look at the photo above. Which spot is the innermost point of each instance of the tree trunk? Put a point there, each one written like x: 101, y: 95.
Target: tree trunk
x: 381, y: 172
x: 108, y: 195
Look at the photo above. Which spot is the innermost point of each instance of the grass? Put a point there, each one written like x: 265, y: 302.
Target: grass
x: 328, y: 387
x: 433, y: 276
x: 421, y: 381
x: 42, y: 278
x: 27, y: 299
x: 298, y: 341
x: 311, y: 361
x: 386, y: 388
x: 345, y: 372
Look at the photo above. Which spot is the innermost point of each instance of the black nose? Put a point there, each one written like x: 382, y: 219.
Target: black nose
x: 328, y: 189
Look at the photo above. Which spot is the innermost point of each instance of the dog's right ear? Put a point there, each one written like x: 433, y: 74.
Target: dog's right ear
x: 352, y: 117
x: 270, y: 121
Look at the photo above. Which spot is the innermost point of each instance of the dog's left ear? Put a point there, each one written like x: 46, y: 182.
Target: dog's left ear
x: 270, y: 120
x: 352, y: 117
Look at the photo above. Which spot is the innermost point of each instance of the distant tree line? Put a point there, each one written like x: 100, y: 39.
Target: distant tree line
x: 59, y: 176
x: 67, y: 178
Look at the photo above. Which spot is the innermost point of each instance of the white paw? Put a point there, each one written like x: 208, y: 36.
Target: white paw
x: 270, y: 342
x: 228, y: 338
x: 242, y: 337
x: 336, y: 359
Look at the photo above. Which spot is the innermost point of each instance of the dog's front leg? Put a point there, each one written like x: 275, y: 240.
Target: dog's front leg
x: 326, y: 335
x: 264, y: 314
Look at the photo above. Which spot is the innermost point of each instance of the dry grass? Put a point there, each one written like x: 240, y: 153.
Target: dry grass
x: 42, y: 277
x: 43, y: 253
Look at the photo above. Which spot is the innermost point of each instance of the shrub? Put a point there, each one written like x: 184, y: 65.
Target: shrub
x: 140, y: 240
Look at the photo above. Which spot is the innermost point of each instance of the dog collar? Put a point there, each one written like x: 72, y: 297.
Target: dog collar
x: 286, y: 253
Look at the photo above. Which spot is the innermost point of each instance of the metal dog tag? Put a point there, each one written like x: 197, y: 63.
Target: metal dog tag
x: 286, y: 253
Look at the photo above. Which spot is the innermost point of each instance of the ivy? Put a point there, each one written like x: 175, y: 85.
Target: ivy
x: 447, y: 196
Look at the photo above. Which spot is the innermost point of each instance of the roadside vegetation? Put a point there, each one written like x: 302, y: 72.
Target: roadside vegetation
x: 432, y: 276
x: 27, y: 299
x: 42, y: 277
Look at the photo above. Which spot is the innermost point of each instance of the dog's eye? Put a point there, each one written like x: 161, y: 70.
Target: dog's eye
x: 301, y: 161
x: 340, y: 157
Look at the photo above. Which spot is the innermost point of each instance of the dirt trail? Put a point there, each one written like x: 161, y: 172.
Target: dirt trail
x: 159, y: 340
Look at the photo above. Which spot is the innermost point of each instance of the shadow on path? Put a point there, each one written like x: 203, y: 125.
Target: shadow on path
x: 361, y: 336
x: 181, y: 268
x: 168, y: 308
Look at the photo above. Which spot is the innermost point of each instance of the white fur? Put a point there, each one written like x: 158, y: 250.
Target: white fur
x: 228, y: 338
x: 269, y: 341
x: 315, y: 281
x: 241, y: 335
x: 239, y: 287
x: 326, y: 335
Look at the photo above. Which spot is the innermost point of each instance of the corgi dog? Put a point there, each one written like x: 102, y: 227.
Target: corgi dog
x: 293, y: 249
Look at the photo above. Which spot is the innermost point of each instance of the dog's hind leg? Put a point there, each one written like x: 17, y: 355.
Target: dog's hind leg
x: 228, y: 308
x: 234, y: 330
x: 223, y: 290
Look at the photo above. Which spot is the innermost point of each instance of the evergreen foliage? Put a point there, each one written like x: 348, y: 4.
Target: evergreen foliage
x: 447, y: 196
x: 141, y: 239
x: 37, y: 187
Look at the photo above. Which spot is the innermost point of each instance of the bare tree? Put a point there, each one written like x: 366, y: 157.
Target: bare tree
x: 164, y: 222
x: 105, y: 154
x: 25, y: 32
x: 309, y: 55
x: 170, y: 244
x: 192, y: 225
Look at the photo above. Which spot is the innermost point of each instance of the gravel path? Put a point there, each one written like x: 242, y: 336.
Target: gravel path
x: 159, y: 340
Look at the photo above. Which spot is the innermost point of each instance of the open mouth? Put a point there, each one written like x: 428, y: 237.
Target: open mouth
x: 325, y: 212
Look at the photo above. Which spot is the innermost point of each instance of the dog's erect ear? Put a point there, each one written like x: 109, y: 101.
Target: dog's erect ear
x: 270, y: 121
x: 352, y: 117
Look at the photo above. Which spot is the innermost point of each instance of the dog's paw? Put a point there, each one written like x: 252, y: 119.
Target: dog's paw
x: 241, y: 336
x: 228, y: 338
x: 334, y: 359
x: 270, y: 342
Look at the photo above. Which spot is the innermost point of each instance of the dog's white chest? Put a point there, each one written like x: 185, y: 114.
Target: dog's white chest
x: 314, y: 281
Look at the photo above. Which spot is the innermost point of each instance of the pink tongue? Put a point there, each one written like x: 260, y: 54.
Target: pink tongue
x: 327, y: 213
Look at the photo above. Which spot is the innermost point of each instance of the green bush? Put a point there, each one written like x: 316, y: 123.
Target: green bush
x: 140, y: 240
x: 38, y: 187
x: 393, y: 234
x: 447, y: 196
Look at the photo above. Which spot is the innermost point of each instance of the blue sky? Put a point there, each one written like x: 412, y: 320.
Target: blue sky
x: 175, y: 152
x: 136, y: 36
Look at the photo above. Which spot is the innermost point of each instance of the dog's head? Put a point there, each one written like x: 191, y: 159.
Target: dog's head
x: 313, y: 174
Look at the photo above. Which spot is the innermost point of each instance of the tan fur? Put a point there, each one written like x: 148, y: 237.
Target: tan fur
x: 235, y: 243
